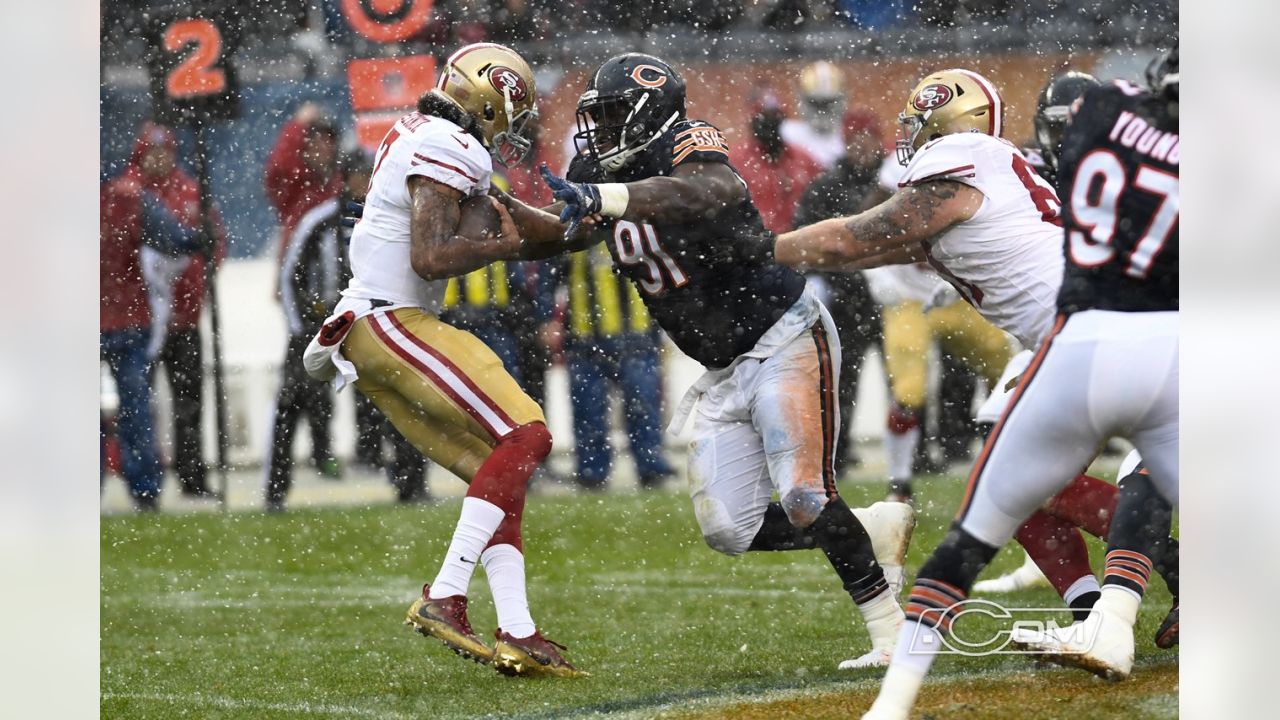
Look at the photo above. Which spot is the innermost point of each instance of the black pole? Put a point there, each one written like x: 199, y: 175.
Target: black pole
x: 211, y: 275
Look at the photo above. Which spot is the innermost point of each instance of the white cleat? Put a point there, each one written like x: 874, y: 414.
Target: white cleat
x: 875, y: 658
x: 1027, y: 575
x: 890, y: 525
x: 1102, y: 644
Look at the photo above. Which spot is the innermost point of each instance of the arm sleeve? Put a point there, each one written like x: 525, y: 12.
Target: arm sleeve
x: 449, y: 163
x: 950, y: 157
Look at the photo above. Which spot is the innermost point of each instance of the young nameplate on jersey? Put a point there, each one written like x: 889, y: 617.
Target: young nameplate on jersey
x: 658, y: 189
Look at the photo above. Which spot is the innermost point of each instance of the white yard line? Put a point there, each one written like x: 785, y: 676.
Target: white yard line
x: 197, y: 700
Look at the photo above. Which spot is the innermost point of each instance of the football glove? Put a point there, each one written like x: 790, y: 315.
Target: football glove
x: 353, y: 212
x: 580, y: 199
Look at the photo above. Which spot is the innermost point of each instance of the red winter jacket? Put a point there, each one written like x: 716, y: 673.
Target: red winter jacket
x: 123, y: 295
x: 776, y: 187
x: 292, y: 187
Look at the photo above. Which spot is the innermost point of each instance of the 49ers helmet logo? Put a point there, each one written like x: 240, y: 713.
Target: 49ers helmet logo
x: 649, y: 76
x: 931, y: 97
x: 504, y: 78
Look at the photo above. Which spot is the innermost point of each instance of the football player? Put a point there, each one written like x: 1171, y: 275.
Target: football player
x: 672, y: 210
x: 1056, y: 552
x: 1107, y: 365
x: 1055, y: 101
x: 441, y: 387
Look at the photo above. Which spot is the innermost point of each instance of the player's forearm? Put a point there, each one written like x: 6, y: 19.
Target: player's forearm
x: 542, y: 231
x: 673, y: 200
x: 535, y: 225
x: 458, y: 255
x: 835, y: 244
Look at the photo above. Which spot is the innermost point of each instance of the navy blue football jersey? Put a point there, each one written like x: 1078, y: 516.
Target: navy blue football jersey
x: 1119, y: 169
x: 713, y: 306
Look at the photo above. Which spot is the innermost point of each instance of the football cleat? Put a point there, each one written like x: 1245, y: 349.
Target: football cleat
x: 534, y: 656
x: 446, y: 620
x: 1102, y: 645
x: 889, y: 524
x: 875, y: 658
x: 1167, y: 634
x: 1028, y: 575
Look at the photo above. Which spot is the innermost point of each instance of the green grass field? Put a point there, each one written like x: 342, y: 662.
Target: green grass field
x: 299, y: 615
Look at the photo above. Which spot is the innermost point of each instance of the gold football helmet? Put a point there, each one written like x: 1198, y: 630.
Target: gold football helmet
x: 822, y: 99
x: 946, y: 102
x: 495, y: 85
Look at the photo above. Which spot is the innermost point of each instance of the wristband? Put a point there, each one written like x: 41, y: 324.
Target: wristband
x: 613, y: 199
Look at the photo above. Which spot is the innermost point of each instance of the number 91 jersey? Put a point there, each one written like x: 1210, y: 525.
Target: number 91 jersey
x: 714, y: 306
x: 1006, y: 260
x: 1119, y: 171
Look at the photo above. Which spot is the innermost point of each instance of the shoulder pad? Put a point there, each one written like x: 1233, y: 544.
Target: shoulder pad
x: 697, y: 141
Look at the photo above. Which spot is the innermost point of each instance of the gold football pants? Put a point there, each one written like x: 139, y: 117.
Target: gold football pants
x: 958, y: 328
x: 441, y: 387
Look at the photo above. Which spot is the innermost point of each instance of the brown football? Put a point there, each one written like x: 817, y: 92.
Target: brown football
x: 479, y: 218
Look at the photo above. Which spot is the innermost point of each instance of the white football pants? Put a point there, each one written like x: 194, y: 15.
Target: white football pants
x: 1097, y: 375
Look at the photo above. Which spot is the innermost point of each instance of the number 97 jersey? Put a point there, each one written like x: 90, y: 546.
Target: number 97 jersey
x: 1119, y: 170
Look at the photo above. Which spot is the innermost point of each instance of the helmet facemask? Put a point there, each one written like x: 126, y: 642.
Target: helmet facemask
x: 909, y: 127
x: 511, y: 145
x: 614, y: 129
x: 1050, y: 123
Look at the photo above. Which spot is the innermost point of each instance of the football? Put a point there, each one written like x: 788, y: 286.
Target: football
x: 479, y: 218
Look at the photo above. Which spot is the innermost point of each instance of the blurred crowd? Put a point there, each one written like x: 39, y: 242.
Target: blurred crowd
x: 319, y: 37
x: 805, y: 159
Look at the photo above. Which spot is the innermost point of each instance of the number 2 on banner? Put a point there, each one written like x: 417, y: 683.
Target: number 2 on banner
x: 197, y: 74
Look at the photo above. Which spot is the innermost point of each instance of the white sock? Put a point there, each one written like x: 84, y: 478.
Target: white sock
x: 1120, y: 602
x: 917, y: 647
x: 476, y: 525
x: 1086, y: 584
x: 900, y: 452
x: 883, y: 617
x: 504, y: 565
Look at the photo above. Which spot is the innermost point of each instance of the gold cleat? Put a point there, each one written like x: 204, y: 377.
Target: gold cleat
x: 446, y: 620
x: 534, y: 656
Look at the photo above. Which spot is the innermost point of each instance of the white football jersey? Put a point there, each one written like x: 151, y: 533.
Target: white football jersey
x: 1007, y: 259
x: 893, y: 284
x: 416, y: 145
x: 826, y: 148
